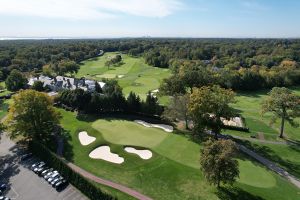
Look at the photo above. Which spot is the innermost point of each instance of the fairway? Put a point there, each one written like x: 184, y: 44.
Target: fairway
x: 249, y: 106
x: 174, y: 170
x: 133, y: 75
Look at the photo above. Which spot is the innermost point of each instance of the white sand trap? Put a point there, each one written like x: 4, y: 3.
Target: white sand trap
x: 120, y: 76
x: 104, y: 153
x: 85, y: 139
x: 165, y: 127
x: 155, y: 91
x: 144, y: 154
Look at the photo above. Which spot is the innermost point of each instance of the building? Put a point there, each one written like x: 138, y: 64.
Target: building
x: 59, y: 83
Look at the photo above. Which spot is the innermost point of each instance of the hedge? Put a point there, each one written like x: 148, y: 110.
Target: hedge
x: 85, y: 186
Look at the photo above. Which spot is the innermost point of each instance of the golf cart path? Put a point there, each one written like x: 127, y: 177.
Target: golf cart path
x: 108, y: 183
x: 272, y: 166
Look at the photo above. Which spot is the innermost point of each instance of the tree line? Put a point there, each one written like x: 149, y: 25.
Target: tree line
x: 109, y: 99
x: 240, y: 64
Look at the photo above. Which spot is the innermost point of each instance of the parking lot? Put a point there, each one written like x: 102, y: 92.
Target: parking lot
x: 23, y: 183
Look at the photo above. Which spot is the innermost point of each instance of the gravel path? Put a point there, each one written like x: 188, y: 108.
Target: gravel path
x: 102, y: 181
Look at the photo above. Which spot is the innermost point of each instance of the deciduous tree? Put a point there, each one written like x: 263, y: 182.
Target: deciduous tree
x: 178, y: 109
x: 218, y: 163
x: 284, y: 105
x: 15, y: 80
x: 208, y: 105
x: 32, y: 115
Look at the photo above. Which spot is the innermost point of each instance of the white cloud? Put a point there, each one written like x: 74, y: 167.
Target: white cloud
x: 89, y: 9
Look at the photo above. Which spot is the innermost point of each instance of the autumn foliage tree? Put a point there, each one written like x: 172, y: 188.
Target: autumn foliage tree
x: 218, y: 163
x: 208, y: 105
x: 32, y: 115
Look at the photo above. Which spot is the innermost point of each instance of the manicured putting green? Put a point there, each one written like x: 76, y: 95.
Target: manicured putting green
x: 129, y: 133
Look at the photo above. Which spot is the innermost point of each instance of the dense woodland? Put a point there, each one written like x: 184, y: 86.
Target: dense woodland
x: 240, y: 64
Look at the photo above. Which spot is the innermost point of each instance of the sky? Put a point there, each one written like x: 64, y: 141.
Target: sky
x: 150, y: 18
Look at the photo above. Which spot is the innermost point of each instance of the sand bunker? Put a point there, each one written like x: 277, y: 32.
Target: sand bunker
x: 165, y: 127
x: 120, y: 76
x: 85, y: 139
x: 104, y: 153
x: 144, y: 154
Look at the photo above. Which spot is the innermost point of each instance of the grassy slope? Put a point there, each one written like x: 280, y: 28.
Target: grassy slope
x: 173, y: 171
x: 249, y: 105
x: 138, y: 76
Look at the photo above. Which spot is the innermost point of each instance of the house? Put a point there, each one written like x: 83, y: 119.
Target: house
x: 59, y: 83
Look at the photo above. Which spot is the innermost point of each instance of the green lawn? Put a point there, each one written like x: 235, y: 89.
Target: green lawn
x: 249, y: 105
x: 174, y: 170
x: 133, y: 75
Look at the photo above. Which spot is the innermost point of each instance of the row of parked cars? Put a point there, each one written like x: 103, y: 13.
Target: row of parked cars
x: 50, y: 175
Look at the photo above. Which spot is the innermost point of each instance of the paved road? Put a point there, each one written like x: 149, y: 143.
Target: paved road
x: 22, y: 183
x: 102, y: 181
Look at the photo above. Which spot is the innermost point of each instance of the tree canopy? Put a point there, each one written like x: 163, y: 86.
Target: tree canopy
x: 284, y: 104
x: 208, y: 105
x: 218, y: 163
x: 32, y: 115
x: 15, y: 81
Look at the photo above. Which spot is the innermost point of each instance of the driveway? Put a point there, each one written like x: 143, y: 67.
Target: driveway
x: 24, y: 184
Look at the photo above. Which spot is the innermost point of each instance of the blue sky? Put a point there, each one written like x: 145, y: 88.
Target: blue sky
x: 156, y: 18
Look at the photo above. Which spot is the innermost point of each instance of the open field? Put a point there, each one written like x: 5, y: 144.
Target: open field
x: 133, y: 75
x: 174, y: 170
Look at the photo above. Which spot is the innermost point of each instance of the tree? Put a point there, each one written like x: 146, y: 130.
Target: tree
x: 208, y: 105
x: 178, y: 109
x: 15, y: 80
x: 284, y: 105
x: 32, y: 115
x: 133, y: 102
x: 38, y: 86
x: 218, y: 163
x: 150, y: 106
x: 66, y: 66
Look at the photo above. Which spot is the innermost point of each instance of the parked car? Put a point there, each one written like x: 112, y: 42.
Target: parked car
x: 49, y: 174
x: 46, y: 171
x: 59, y: 178
x: 4, y: 198
x: 61, y: 185
x: 25, y: 156
x: 34, y: 165
x: 41, y: 169
x: 3, y: 187
x: 41, y: 165
x: 52, y: 177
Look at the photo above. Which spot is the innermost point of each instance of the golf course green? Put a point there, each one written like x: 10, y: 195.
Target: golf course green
x: 174, y: 170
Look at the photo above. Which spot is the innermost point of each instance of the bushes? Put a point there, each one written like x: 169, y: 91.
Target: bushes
x: 85, y: 186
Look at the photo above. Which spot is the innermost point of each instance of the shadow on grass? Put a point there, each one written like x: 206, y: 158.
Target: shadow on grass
x: 66, y: 141
x: 233, y: 193
x: 270, y: 154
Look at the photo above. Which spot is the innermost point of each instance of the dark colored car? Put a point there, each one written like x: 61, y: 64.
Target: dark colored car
x: 26, y: 156
x: 3, y: 187
x: 61, y: 185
